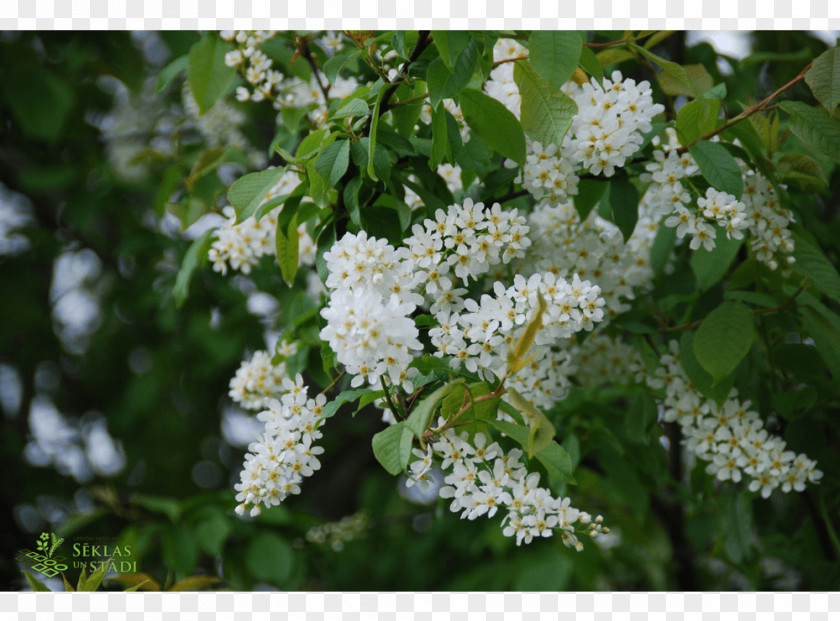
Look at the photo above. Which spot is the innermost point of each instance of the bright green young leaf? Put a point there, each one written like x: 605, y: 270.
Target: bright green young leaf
x: 724, y: 338
x: 696, y: 119
x: 718, y: 167
x: 494, y: 124
x: 624, y: 203
x: 701, y: 81
x: 37, y: 585
x: 287, y: 244
x: 208, y: 75
x: 711, y: 265
x: 542, y: 432
x: 392, y: 447
x: 195, y: 257
x: 546, y: 112
x: 678, y: 72
x: 333, y: 161
x: 554, y: 55
x: 815, y: 127
x: 824, y: 78
x: 554, y: 457
x: 517, y: 359
x: 421, y: 414
x: 250, y: 190
x: 346, y: 396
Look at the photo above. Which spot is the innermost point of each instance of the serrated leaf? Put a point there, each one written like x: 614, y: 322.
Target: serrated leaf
x: 678, y: 72
x: 450, y: 44
x: 346, y: 396
x: 195, y: 257
x: 247, y: 192
x: 554, y: 55
x: 709, y: 266
x: 811, y: 262
x: 802, y: 172
x: 815, y: 127
x: 701, y: 81
x: 494, y: 124
x: 696, y: 119
x: 392, y: 447
x: 724, y: 338
x: 208, y: 75
x: 333, y: 161
x: 824, y: 78
x: 354, y: 107
x: 546, y: 112
x: 718, y: 167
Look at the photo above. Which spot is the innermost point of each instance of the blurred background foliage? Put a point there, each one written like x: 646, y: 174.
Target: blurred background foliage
x: 115, y: 416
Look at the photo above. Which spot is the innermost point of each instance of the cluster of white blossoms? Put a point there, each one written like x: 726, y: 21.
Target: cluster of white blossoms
x: 731, y: 437
x: 276, y: 464
x: 500, y: 85
x: 549, y: 173
x: 603, y: 359
x: 266, y: 83
x: 716, y: 208
x: 336, y: 534
x: 258, y: 380
x: 768, y: 222
x: 241, y: 246
x: 484, y: 480
x: 452, y: 176
x: 593, y: 250
x: 481, y: 337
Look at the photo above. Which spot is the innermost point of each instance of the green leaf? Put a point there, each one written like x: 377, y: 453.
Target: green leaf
x: 40, y: 101
x: 679, y: 73
x: 313, y: 142
x: 711, y: 265
x: 590, y: 64
x: 624, y: 203
x: 541, y: 430
x: 696, y: 119
x: 333, y: 66
x: 703, y: 382
x: 421, y: 414
x: 589, y: 193
x: 494, y: 124
x: 546, y: 112
x: 802, y: 173
x: 815, y: 127
x: 554, y: 457
x: 270, y: 558
x: 640, y: 417
x: 811, y: 262
x: 554, y: 55
x: 346, y: 396
x: 450, y: 44
x: 392, y: 447
x: 374, y: 126
x: 247, y: 192
x: 441, y: 149
x: 444, y: 83
x: 824, y: 328
x: 824, y: 78
x: 37, y: 585
x: 287, y: 246
x: 208, y: 76
x: 95, y: 579
x: 170, y: 71
x: 736, y: 528
x: 333, y: 161
x: 724, y: 338
x: 701, y: 81
x: 353, y: 107
x: 212, y: 532
x: 196, y: 256
x: 718, y: 167
x: 662, y: 248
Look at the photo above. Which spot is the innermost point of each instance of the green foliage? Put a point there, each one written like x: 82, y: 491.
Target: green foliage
x: 494, y: 124
x: 724, y: 338
x: 392, y: 447
x: 824, y: 78
x: 554, y: 55
x: 207, y: 74
x: 547, y: 111
x: 718, y: 167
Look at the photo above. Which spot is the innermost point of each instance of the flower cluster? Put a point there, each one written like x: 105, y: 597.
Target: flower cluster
x: 276, y: 464
x: 716, y: 208
x: 241, y: 246
x: 500, y: 85
x: 483, y: 480
x: 336, y: 534
x: 731, y: 437
x: 258, y: 380
x: 768, y: 222
x: 602, y: 359
x: 549, y: 173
